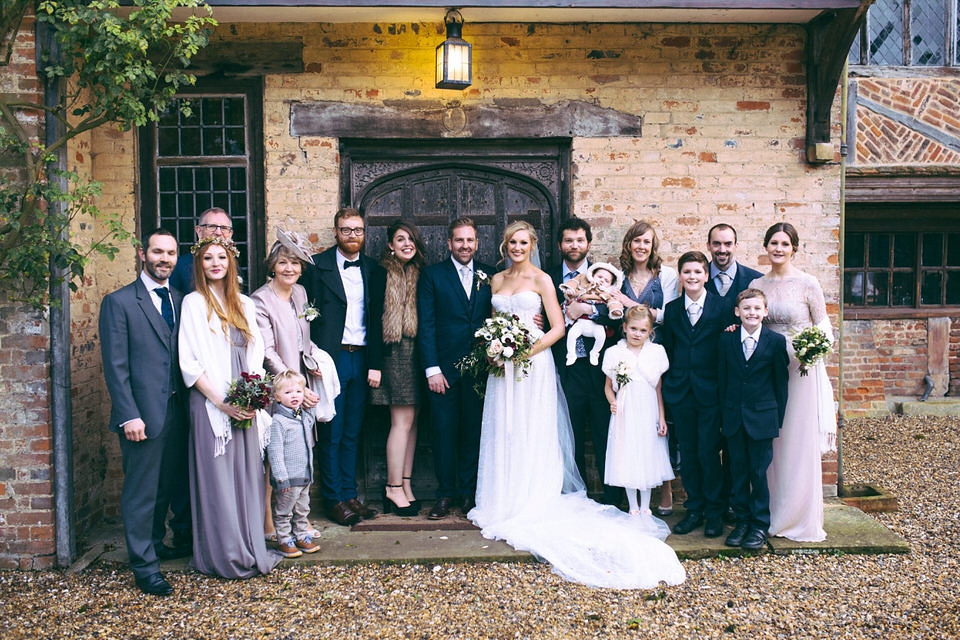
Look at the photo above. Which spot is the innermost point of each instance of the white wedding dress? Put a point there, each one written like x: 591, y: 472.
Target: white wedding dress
x: 530, y: 495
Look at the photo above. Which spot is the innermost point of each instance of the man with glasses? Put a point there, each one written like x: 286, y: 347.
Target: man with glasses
x: 213, y: 222
x: 347, y: 288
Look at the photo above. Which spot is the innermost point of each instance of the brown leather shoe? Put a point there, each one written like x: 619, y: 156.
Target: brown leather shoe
x: 361, y: 509
x: 342, y: 514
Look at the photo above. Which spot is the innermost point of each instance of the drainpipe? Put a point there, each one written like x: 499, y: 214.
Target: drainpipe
x: 60, y: 404
x: 840, y: 257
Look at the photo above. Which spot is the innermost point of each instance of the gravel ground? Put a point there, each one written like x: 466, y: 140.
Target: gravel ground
x: 825, y: 596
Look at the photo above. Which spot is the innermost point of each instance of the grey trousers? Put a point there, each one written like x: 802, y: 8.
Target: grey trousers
x: 291, y: 511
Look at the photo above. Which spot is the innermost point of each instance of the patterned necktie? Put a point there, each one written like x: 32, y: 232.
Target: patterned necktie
x: 749, y: 344
x: 571, y: 275
x: 466, y: 279
x: 723, y: 282
x: 693, y: 312
x: 166, y: 308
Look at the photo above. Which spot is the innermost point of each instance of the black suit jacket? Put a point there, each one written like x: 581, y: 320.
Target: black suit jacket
x: 692, y: 350
x: 325, y: 292
x: 139, y: 352
x: 745, y: 275
x: 754, y: 391
x: 560, y: 346
x: 446, y: 318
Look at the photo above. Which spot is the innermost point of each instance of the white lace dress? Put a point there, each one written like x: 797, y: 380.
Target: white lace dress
x: 810, y: 423
x: 530, y: 494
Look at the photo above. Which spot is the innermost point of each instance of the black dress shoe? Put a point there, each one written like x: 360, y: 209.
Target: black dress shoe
x: 361, y: 509
x: 440, y: 510
x: 736, y: 536
x: 467, y: 504
x: 689, y: 523
x: 342, y: 514
x: 154, y: 585
x: 756, y: 539
x: 729, y: 517
x: 713, y: 528
x: 169, y: 553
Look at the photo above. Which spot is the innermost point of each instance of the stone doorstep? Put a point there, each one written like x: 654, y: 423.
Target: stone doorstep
x: 869, y: 498
x: 944, y: 407
x: 849, y: 530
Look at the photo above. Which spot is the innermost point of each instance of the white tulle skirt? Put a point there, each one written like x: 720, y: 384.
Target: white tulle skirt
x: 530, y: 495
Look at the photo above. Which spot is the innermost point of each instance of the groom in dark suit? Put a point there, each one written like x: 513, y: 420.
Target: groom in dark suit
x: 453, y: 299
x: 583, y: 382
x: 347, y: 289
x: 138, y: 342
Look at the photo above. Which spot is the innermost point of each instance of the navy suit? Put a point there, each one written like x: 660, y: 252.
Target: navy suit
x: 690, y: 393
x: 142, y: 372
x: 447, y: 321
x: 741, y: 281
x: 754, y: 394
x: 583, y: 387
x: 338, y: 440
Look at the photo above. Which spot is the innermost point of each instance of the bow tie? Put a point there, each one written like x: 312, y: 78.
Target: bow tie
x: 354, y: 263
x: 297, y: 412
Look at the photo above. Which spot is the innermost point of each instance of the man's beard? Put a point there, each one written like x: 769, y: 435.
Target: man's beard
x: 151, y: 268
x: 351, y: 245
x: 574, y: 257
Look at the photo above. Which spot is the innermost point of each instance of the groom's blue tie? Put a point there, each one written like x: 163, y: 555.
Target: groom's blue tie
x: 166, y: 308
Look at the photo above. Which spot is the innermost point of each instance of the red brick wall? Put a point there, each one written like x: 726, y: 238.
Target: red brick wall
x: 955, y: 357
x: 26, y: 491
x: 863, y: 388
x: 902, y: 350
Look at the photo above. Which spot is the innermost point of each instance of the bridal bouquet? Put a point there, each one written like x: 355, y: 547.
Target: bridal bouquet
x: 622, y: 373
x: 249, y: 391
x: 809, y: 346
x: 501, y: 338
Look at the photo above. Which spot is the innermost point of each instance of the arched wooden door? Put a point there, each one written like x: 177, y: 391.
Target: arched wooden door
x: 434, y: 195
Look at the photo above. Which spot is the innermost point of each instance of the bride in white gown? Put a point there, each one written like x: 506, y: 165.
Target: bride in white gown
x: 528, y: 490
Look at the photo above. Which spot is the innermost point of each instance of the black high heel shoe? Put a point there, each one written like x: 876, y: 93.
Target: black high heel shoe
x: 390, y: 506
x: 413, y: 503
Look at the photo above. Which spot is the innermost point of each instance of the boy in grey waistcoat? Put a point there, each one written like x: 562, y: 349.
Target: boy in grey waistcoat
x: 291, y: 465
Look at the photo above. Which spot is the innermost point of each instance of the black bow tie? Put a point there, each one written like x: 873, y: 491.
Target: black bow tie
x: 355, y: 263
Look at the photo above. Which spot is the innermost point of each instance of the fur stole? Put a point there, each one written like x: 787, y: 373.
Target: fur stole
x: 400, y: 301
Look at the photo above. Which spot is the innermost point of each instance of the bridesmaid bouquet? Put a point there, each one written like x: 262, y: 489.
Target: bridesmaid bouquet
x: 809, y: 346
x: 249, y: 391
x: 622, y: 373
x: 501, y: 338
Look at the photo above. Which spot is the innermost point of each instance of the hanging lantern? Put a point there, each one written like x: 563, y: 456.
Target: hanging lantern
x: 454, y: 55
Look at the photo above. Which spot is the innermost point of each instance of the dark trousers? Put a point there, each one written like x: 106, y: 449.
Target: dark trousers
x: 455, y: 418
x: 155, y: 481
x: 699, y: 439
x: 339, y: 440
x: 590, y: 418
x: 749, y: 459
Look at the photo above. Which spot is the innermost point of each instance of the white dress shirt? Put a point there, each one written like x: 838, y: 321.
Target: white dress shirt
x: 744, y: 334
x: 354, y: 330
x: 687, y: 301
x: 151, y: 286
x: 731, y: 272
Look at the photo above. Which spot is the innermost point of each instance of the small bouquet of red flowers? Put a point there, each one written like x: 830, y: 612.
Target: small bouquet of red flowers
x: 249, y: 391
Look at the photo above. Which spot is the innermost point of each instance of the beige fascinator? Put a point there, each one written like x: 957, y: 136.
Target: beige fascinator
x: 294, y: 243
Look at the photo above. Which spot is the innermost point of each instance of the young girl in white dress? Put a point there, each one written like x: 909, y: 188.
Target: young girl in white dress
x: 637, y: 455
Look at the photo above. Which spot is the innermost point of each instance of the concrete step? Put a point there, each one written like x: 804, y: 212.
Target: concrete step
x: 943, y: 407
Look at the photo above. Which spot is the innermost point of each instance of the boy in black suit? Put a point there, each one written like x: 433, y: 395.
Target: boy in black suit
x: 752, y: 376
x: 692, y: 325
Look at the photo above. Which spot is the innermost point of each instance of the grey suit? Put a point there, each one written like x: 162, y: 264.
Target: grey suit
x: 142, y: 372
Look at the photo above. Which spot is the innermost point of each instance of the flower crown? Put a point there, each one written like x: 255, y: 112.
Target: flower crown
x: 223, y: 242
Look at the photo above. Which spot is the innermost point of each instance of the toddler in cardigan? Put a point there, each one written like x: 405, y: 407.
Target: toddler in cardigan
x: 291, y: 465
x: 595, y: 286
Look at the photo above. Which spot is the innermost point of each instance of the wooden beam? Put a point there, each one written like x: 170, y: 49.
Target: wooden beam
x: 829, y: 39
x: 506, y: 118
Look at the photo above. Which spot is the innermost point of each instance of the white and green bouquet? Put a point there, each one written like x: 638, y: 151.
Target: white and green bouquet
x: 622, y: 373
x: 500, y: 339
x: 809, y: 346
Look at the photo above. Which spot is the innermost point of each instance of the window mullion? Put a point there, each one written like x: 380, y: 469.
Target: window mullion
x: 950, y: 54
x: 905, y: 34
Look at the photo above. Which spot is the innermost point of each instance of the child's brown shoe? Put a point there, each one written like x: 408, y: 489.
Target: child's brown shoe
x: 288, y: 549
x: 307, y: 545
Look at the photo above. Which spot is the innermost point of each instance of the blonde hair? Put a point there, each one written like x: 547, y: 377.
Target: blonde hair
x: 233, y: 314
x: 289, y: 375
x: 511, y: 230
x: 641, y: 312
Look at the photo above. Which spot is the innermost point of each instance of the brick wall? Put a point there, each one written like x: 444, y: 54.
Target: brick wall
x: 26, y: 491
x: 864, y: 392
